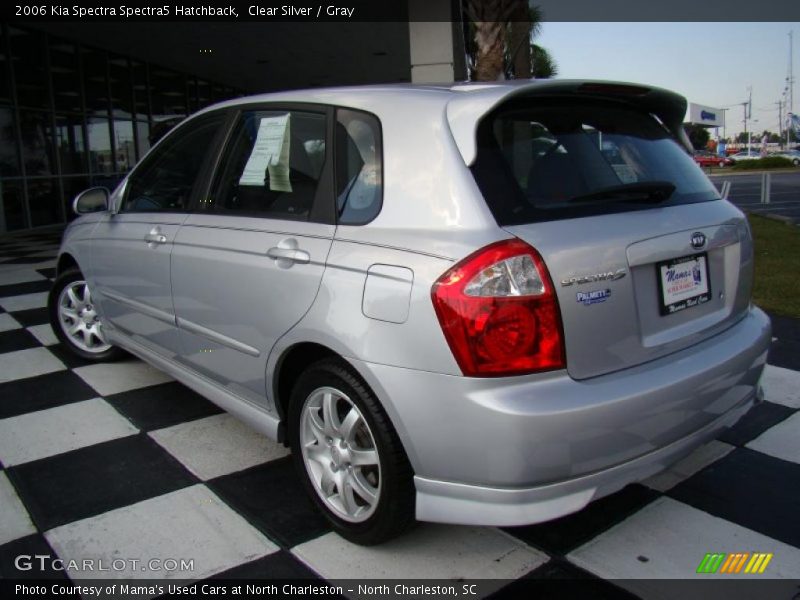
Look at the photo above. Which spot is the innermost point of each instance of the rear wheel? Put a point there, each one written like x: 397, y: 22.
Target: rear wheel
x: 75, y: 320
x: 349, y: 456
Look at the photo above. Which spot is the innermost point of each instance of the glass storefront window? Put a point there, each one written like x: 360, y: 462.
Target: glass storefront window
x: 125, y: 146
x: 143, y: 137
x: 100, y: 157
x: 9, y: 159
x: 168, y: 93
x: 70, y: 144
x: 139, y: 77
x: 72, y: 187
x: 37, y: 143
x: 44, y: 199
x: 64, y: 73
x: 12, y: 205
x: 5, y: 76
x: 121, y: 92
x: 28, y: 52
x: 203, y: 93
x: 95, y: 77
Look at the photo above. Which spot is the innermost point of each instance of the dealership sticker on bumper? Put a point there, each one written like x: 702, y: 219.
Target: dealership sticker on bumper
x: 593, y: 297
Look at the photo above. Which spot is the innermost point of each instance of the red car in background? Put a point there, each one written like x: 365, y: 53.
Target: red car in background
x: 706, y: 159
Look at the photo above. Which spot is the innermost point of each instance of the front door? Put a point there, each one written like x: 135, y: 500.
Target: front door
x: 131, y: 249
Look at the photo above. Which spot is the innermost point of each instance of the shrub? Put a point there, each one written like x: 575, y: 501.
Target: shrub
x: 768, y: 162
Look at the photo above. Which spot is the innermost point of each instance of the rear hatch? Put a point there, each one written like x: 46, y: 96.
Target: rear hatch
x: 645, y: 257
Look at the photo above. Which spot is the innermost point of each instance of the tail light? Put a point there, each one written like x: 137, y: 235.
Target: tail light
x: 499, y: 312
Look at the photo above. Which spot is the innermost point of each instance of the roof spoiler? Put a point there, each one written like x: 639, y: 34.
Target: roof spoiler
x: 467, y: 108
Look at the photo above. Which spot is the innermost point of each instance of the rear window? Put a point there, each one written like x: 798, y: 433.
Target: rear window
x: 543, y: 162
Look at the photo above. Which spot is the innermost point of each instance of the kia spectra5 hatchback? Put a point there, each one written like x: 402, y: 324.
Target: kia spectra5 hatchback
x: 483, y: 304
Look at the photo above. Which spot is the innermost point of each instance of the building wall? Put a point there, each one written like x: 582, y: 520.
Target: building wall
x: 73, y: 116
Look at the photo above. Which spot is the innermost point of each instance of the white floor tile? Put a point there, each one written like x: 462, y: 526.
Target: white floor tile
x: 191, y: 524
x: 14, y: 519
x: 28, y: 363
x: 668, y: 540
x: 683, y: 469
x: 428, y: 552
x: 56, y: 430
x: 7, y: 322
x: 781, y: 386
x: 10, y: 276
x: 217, y: 445
x: 112, y: 378
x: 781, y: 440
x: 24, y: 302
x: 44, y: 333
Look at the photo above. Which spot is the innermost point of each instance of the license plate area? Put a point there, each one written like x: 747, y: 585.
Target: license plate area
x: 683, y: 283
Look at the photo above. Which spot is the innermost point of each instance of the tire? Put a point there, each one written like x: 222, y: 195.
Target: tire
x: 74, y: 320
x: 352, y: 465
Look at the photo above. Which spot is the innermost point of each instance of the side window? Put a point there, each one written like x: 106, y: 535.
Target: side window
x: 165, y: 180
x: 359, y: 164
x: 273, y: 165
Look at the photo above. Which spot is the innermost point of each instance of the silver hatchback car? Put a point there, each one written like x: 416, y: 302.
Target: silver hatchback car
x: 484, y: 304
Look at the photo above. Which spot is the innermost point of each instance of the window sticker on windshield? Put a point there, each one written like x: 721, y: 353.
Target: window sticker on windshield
x: 270, y: 154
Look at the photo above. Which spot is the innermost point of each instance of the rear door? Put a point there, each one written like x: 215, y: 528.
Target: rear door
x: 131, y: 249
x: 248, y: 264
x: 645, y: 257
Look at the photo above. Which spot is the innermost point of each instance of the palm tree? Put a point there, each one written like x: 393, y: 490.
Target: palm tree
x: 498, y: 41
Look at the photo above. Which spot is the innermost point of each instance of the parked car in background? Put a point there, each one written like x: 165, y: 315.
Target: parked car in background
x: 707, y: 159
x: 482, y: 304
x: 793, y: 155
x: 745, y: 155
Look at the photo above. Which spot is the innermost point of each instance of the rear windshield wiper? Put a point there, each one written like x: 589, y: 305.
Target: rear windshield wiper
x: 645, y: 191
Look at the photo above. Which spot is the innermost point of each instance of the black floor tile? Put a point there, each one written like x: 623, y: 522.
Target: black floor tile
x: 17, y: 339
x: 751, y: 489
x: 28, y: 549
x: 760, y: 418
x: 50, y: 272
x: 28, y: 287
x: 96, y: 479
x: 279, y: 565
x: 562, y: 580
x: 45, y: 391
x: 271, y: 498
x: 163, y: 405
x: 29, y: 260
x: 567, y: 533
x: 31, y: 317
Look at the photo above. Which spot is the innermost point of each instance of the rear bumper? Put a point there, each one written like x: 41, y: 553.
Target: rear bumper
x: 522, y: 450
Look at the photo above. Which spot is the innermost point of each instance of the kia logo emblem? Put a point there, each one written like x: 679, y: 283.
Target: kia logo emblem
x: 698, y: 240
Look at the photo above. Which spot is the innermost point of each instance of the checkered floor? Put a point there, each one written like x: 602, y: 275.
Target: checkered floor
x: 118, y: 461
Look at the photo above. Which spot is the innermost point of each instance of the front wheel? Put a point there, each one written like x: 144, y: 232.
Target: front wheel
x: 75, y: 320
x: 349, y: 456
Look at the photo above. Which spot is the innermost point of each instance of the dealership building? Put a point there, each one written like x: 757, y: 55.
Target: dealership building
x: 81, y: 102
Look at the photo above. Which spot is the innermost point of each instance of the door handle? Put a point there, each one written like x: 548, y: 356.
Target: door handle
x: 155, y: 237
x: 294, y: 255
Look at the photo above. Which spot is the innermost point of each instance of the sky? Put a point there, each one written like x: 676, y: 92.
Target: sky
x: 709, y: 63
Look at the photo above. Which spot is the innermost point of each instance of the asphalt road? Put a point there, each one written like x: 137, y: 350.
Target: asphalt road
x: 745, y: 192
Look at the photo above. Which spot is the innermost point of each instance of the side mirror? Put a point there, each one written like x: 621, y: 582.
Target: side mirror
x: 92, y: 200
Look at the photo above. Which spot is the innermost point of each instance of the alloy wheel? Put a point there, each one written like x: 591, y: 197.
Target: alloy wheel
x: 79, y: 320
x: 340, y: 454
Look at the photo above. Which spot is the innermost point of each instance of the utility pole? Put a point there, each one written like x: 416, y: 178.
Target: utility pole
x: 780, y: 121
